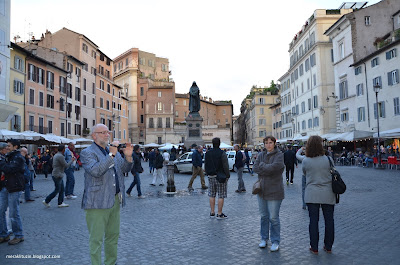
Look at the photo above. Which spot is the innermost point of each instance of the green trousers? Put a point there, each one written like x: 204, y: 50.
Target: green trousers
x: 104, y: 223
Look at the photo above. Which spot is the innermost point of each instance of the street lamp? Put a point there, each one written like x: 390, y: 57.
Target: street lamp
x: 377, y: 88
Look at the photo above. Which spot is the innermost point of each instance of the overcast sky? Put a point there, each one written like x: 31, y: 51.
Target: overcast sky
x: 226, y: 46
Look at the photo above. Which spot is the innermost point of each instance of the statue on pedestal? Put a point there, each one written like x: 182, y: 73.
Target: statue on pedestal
x: 194, y: 101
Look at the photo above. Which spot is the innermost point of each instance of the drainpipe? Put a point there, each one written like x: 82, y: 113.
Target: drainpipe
x: 366, y: 89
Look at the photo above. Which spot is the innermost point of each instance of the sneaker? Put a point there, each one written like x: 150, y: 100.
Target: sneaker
x: 287, y: 182
x: 4, y: 239
x: 63, y: 205
x: 152, y: 184
x: 190, y: 189
x: 33, y: 190
x: 263, y: 244
x: 71, y: 197
x: 141, y: 197
x: 129, y: 195
x: 212, y: 215
x: 161, y: 184
x: 304, y: 207
x: 29, y: 200
x: 243, y: 190
x: 15, y: 240
x: 46, y: 204
x: 291, y: 183
x: 204, y: 187
x: 221, y: 216
x: 237, y: 191
x: 328, y: 251
x: 274, y: 247
x: 315, y: 252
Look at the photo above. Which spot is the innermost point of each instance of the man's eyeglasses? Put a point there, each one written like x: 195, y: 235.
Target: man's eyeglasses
x: 104, y: 132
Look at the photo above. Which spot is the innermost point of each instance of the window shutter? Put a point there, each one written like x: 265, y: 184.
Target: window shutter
x: 390, y: 81
x: 37, y: 74
x: 29, y: 70
x: 388, y: 55
x: 15, y: 86
x: 362, y: 88
x: 15, y: 62
x: 383, y: 109
x: 22, y: 89
x: 18, y: 122
x: 397, y: 75
x: 375, y: 111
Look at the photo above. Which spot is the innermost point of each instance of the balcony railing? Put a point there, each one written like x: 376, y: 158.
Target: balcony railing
x: 38, y: 129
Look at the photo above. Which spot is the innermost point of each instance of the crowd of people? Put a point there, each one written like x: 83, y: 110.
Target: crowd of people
x: 107, y: 164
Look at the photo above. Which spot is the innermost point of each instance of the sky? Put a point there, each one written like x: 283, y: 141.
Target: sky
x: 226, y: 46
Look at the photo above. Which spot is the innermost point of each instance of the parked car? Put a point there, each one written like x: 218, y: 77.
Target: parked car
x: 231, y: 160
x: 184, y: 163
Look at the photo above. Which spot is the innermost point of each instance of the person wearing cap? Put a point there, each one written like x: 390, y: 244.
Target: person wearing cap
x: 13, y: 167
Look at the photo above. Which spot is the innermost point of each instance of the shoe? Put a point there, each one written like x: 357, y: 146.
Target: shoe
x: 161, y: 185
x: 287, y: 182
x: 29, y: 200
x: 15, y: 240
x: 212, y: 215
x: 243, y: 190
x: 63, y: 205
x: 315, y: 252
x: 152, y: 184
x: 237, y: 191
x: 304, y: 207
x: 328, y: 251
x: 4, y: 239
x: 71, y: 197
x: 204, y: 187
x: 33, y: 190
x: 128, y: 194
x: 190, y: 189
x: 274, y: 247
x: 221, y: 216
x: 141, y: 197
x: 263, y: 244
x: 46, y: 204
x: 291, y: 183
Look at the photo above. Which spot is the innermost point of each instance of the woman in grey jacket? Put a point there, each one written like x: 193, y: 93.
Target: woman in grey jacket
x: 269, y: 167
x: 318, y: 193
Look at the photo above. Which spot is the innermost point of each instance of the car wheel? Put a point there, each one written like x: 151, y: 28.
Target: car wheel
x: 176, y: 170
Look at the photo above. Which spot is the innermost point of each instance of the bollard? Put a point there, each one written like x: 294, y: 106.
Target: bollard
x: 170, y: 177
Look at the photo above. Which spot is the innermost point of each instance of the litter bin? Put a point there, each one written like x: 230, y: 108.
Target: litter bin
x: 170, y: 177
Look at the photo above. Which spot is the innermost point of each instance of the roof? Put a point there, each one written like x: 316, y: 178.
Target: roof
x: 80, y: 35
x: 76, y: 59
x: 340, y: 20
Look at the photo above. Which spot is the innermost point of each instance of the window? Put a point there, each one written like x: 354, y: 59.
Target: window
x: 261, y: 111
x: 301, y: 70
x: 361, y: 114
x: 303, y: 107
x: 159, y: 94
x: 84, y: 100
x: 93, y: 71
x: 50, y: 80
x: 31, y: 96
x: 16, y: 123
x: 141, y: 118
x: 344, y: 116
x: 69, y: 90
x: 50, y: 126
x: 93, y: 102
x: 50, y: 101
x: 303, y: 125
x: 69, y: 128
x: 308, y: 84
x: 332, y: 58
x: 375, y: 62
x: 70, y: 67
x: 63, y: 82
x: 367, y: 20
x: 93, y: 53
x: 41, y: 124
x: 141, y: 91
x: 314, y: 80
x: 391, y: 54
x: 77, y: 94
x: 159, y: 140
x: 307, y: 65
x: 381, y: 109
x: 315, y: 102
x: 343, y: 90
x: 341, y: 50
x: 151, y: 123
x: 32, y: 72
x: 108, y: 88
x: 296, y: 74
x: 18, y: 63
x: 85, y: 48
x: 108, y: 104
x: 168, y: 122
x: 357, y: 70
x: 101, y: 102
x: 159, y: 106
x: 69, y: 109
x: 93, y: 88
x: 302, y: 88
x: 262, y: 101
x: 377, y: 81
x: 18, y: 87
x: 261, y: 122
x: 309, y: 104
x: 77, y: 112
x: 159, y: 122
x: 101, y: 84
x: 393, y: 77
x: 396, y: 106
x: 62, y: 104
x: 316, y: 121
x: 312, y: 60
x: 360, y: 89
x: 312, y: 39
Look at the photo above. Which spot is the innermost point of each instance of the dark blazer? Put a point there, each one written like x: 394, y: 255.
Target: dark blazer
x: 197, y: 160
x: 158, y: 161
x: 100, y: 188
x: 137, y: 163
x: 289, y: 158
x: 216, y: 160
x: 14, y: 170
x: 239, y: 159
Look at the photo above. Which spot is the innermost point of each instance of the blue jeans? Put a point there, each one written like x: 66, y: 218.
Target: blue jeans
x: 70, y: 183
x: 303, y: 189
x: 313, y: 211
x: 59, y: 189
x: 248, y: 168
x: 240, y: 179
x: 368, y: 160
x: 136, y: 181
x: 269, y: 211
x: 10, y: 200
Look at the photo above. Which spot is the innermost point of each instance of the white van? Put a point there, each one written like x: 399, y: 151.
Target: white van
x: 231, y: 160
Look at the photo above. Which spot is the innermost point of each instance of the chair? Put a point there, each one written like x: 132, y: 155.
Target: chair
x: 392, y: 161
x: 375, y: 161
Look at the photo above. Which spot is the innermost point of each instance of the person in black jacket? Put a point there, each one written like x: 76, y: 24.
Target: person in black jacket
x: 290, y: 160
x: 197, y: 168
x: 136, y: 170
x: 13, y: 167
x: 239, y: 165
x: 158, y: 165
x: 216, y: 161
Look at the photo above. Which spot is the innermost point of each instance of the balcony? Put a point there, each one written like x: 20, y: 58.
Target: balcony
x: 38, y: 129
x: 387, y: 39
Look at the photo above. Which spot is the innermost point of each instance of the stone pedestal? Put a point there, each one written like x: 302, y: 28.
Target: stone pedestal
x: 194, y: 130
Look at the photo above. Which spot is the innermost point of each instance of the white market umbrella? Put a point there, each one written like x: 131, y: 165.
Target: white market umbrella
x: 82, y: 141
x: 6, y: 135
x: 151, y: 145
x: 225, y: 146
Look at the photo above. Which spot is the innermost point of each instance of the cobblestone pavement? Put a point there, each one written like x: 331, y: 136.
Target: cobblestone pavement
x: 163, y: 229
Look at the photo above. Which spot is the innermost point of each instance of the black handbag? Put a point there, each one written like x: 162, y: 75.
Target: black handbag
x: 338, y: 185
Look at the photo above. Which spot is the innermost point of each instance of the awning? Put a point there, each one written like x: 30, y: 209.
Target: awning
x: 225, y: 146
x: 393, y: 133
x: 6, y: 112
x: 82, y: 140
x: 151, y: 145
x: 351, y: 136
x: 6, y: 135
